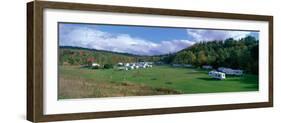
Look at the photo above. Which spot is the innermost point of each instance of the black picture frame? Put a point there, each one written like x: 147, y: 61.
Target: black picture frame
x: 35, y: 61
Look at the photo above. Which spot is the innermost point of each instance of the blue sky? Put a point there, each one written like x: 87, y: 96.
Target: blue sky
x: 155, y: 34
x: 140, y: 40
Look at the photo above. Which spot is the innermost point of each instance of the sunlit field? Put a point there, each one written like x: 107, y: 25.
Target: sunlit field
x: 79, y: 82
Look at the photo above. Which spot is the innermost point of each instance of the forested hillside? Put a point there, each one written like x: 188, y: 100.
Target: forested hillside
x: 83, y: 56
x: 240, y: 54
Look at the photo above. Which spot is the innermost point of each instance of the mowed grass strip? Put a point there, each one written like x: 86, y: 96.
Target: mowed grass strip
x: 77, y: 82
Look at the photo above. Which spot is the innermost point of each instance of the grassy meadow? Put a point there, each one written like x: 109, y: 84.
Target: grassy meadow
x: 79, y: 82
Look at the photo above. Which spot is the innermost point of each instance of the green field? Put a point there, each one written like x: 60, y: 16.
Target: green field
x: 78, y: 82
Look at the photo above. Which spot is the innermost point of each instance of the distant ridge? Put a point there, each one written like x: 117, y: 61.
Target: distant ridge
x: 106, y: 51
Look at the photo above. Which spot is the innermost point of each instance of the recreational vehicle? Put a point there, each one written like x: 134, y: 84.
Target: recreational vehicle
x: 131, y: 66
x: 95, y: 65
x: 230, y: 71
x: 217, y: 75
x: 127, y: 64
x: 120, y: 64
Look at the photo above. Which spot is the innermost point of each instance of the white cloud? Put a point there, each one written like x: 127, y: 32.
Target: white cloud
x: 95, y: 39
x: 210, y: 35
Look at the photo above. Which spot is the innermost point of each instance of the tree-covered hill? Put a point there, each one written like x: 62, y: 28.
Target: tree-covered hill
x: 82, y: 56
x: 239, y: 54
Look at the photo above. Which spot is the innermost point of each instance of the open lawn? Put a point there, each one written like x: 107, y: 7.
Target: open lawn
x: 78, y: 82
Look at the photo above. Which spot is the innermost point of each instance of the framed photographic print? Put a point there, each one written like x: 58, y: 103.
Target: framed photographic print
x: 96, y: 61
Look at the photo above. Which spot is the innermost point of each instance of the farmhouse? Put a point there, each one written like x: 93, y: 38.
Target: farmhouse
x: 230, y: 71
x: 217, y: 75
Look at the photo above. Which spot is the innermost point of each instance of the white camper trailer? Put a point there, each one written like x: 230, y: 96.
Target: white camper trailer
x: 143, y: 65
x: 120, y: 64
x: 122, y: 68
x: 230, y: 71
x: 217, y: 75
x: 127, y: 64
x: 95, y: 65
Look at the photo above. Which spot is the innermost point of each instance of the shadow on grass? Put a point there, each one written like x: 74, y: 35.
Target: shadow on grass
x: 208, y: 79
x: 85, y: 67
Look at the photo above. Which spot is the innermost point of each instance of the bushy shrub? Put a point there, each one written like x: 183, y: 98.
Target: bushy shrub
x: 108, y: 66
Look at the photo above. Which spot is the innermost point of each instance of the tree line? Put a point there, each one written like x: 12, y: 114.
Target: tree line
x: 83, y: 56
x: 237, y: 54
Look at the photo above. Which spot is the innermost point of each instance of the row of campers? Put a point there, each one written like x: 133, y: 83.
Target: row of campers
x: 230, y: 71
x: 182, y: 65
x: 220, y: 74
x: 131, y: 66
